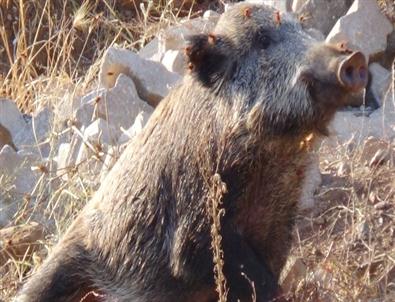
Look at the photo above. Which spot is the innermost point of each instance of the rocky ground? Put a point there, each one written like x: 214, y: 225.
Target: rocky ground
x: 72, y: 104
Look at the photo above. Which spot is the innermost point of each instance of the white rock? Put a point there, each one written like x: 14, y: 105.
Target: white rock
x: 9, y: 160
x: 16, y: 179
x: 364, y: 26
x: 34, y: 136
x: 10, y: 117
x: 321, y: 15
x: 97, y: 136
x: 175, y: 37
x: 381, y: 81
x: 119, y: 106
x: 347, y: 126
x: 63, y: 109
x: 100, y: 131
x: 174, y: 61
x: 67, y: 156
x: 152, y: 79
x: 138, y: 125
x: 7, y: 211
x: 85, y: 114
x: 382, y: 121
x: 151, y: 50
x: 62, y: 157
x: 13, y: 164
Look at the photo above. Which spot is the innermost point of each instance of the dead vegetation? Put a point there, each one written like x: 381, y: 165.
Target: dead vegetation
x: 346, y: 247
x: 348, y: 243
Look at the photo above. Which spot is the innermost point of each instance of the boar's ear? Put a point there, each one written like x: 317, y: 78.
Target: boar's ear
x: 207, y: 58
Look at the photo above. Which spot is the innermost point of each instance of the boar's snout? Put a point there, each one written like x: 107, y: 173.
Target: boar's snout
x: 352, y: 72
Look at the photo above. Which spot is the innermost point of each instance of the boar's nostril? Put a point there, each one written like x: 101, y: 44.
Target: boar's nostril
x: 363, y: 74
x: 352, y: 72
x: 349, y: 71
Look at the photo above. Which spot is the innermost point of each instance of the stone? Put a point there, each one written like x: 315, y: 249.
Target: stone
x: 16, y: 180
x: 118, y: 106
x: 347, y: 126
x: 320, y: 14
x: 61, y: 158
x: 382, y: 121
x: 67, y: 156
x: 174, y: 61
x: 151, y: 51
x: 151, y: 79
x: 85, y: 114
x: 138, y: 125
x: 21, y: 241
x: 97, y: 137
x: 174, y: 38
x: 380, y: 83
x: 10, y: 117
x: 100, y: 131
x: 363, y: 27
x: 34, y: 136
x: 19, y: 167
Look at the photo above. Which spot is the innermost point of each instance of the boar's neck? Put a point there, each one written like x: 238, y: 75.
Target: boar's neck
x: 223, y: 136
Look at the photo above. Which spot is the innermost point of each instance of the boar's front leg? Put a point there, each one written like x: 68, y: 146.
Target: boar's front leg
x: 246, y: 275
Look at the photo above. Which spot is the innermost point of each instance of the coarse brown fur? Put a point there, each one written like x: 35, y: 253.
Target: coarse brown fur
x: 258, y: 95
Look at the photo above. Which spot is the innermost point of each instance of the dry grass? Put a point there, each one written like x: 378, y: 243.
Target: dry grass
x: 49, y: 45
x: 347, y: 243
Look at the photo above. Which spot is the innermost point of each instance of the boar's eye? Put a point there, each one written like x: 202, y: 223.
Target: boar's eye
x: 263, y: 39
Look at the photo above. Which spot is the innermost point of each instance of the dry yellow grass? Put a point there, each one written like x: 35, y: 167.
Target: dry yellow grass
x: 348, y: 242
